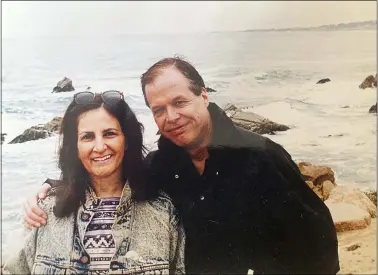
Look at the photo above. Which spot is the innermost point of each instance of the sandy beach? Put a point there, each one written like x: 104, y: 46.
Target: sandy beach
x: 362, y: 260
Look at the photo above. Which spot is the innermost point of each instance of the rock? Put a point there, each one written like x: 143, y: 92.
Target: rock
x: 369, y: 82
x: 253, y: 122
x: 372, y: 195
x: 210, y: 90
x: 3, y: 137
x: 230, y: 107
x: 310, y: 184
x: 316, y: 174
x: 328, y: 186
x: 321, y: 179
x: 33, y: 133
x: 328, y: 136
x: 40, y: 131
x: 353, y: 247
x: 65, y: 85
x: 54, y: 124
x: 348, y: 217
x: 351, y: 195
x: 324, y: 80
x: 373, y: 109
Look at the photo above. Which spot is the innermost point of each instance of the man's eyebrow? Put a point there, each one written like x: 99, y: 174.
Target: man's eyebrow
x: 156, y: 107
x: 179, y: 97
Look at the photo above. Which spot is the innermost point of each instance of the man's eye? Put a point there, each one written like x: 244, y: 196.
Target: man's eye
x: 158, y: 112
x: 180, y: 103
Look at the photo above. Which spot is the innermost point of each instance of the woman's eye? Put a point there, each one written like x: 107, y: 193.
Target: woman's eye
x: 109, y: 134
x: 87, y: 137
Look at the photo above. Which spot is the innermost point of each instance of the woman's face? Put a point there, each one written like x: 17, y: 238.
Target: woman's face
x: 100, y: 143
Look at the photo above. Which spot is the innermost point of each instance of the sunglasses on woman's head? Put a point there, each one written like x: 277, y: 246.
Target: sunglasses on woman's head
x: 109, y: 97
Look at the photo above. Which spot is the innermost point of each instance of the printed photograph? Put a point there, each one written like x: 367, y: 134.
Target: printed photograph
x: 194, y: 137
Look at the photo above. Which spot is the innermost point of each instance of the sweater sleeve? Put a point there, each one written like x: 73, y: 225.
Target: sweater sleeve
x: 177, y: 245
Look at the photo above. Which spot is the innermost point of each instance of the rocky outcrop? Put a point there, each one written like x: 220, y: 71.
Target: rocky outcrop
x: 369, y: 82
x: 40, y: 131
x: 350, y: 207
x: 210, y: 90
x: 321, y: 179
x: 373, y: 109
x: 253, y: 122
x: 324, y: 80
x: 54, y: 124
x: 351, y: 195
x: 348, y: 217
x: 3, y: 137
x: 65, y: 85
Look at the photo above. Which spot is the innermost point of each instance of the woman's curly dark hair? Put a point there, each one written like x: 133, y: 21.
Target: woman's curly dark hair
x: 74, y: 177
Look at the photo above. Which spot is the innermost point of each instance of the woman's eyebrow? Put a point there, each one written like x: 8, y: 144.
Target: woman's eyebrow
x: 110, y: 129
x: 85, y: 132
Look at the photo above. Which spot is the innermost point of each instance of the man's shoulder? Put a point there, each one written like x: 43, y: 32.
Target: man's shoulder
x: 261, y: 147
x: 250, y: 140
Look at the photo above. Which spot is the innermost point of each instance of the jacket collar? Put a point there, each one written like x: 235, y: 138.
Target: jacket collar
x: 222, y: 131
x: 92, y: 201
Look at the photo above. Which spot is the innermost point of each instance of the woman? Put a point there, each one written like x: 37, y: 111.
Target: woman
x: 102, y: 219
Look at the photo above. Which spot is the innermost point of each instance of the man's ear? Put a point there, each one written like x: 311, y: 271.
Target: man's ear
x: 205, y: 96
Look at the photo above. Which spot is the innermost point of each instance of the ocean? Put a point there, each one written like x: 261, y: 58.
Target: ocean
x: 273, y: 73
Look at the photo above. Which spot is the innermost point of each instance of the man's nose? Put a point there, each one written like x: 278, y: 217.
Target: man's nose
x: 172, y: 114
x: 100, y: 145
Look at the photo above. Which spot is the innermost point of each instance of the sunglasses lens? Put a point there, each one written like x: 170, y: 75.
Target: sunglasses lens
x: 84, y: 97
x: 111, y: 97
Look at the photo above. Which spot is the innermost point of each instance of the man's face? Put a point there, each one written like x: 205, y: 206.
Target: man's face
x: 181, y: 116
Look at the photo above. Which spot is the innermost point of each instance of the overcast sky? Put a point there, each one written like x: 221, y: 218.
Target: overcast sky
x: 46, y: 18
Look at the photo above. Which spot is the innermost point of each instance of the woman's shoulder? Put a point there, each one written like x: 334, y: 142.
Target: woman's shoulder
x: 164, y: 198
x: 161, y: 202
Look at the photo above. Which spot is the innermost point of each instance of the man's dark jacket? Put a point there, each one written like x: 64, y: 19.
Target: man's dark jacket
x: 250, y: 209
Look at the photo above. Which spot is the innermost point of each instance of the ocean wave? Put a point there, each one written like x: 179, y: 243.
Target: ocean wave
x: 16, y: 110
x: 278, y: 75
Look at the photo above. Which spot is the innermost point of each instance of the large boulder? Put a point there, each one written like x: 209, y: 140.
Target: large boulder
x: 348, y: 217
x: 253, y: 122
x: 324, y: 80
x: 65, y: 85
x: 40, y: 131
x: 369, y: 82
x: 373, y: 109
x: 352, y: 195
x: 321, y: 179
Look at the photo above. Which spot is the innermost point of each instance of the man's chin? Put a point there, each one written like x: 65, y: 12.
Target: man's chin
x: 186, y: 144
x: 181, y: 140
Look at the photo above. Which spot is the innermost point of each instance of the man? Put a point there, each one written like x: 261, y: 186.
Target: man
x: 242, y: 199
